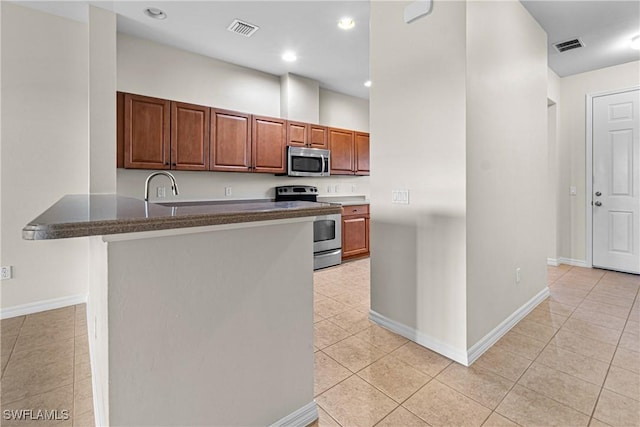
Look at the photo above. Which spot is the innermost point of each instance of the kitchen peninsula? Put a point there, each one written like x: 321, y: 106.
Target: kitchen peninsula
x: 198, y: 313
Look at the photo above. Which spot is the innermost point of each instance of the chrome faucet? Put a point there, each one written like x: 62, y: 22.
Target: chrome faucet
x: 174, y: 185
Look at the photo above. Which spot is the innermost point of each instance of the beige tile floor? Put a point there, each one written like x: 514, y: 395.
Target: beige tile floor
x: 45, y: 366
x: 573, y: 361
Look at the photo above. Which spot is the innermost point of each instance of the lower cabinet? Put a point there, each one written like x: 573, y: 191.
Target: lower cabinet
x: 355, y: 231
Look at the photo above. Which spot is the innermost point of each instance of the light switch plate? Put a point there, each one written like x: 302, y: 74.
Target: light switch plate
x: 6, y: 272
x: 400, y: 197
x: 572, y: 190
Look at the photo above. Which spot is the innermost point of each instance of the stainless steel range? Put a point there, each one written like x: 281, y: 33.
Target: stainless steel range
x: 327, y: 230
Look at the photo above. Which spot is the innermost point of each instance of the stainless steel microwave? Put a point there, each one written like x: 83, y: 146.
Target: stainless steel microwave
x: 308, y: 162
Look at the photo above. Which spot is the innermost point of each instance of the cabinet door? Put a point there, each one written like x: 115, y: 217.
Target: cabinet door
x: 146, y: 132
x: 362, y: 154
x: 342, y: 151
x: 230, y: 141
x: 296, y: 134
x: 355, y: 236
x: 189, y: 137
x: 318, y: 137
x: 269, y: 142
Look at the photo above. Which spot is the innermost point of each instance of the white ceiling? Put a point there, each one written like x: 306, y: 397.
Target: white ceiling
x: 604, y: 27
x: 339, y: 59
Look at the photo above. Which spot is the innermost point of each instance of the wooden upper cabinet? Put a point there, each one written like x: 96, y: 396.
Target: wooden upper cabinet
x: 297, y: 135
x: 269, y: 138
x: 146, y: 132
x: 307, y: 135
x: 341, y: 144
x: 318, y: 137
x: 230, y: 141
x: 362, y: 153
x: 189, y: 137
x: 154, y: 133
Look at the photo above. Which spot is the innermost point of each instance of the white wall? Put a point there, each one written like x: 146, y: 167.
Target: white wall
x: 462, y: 124
x: 572, y: 155
x: 553, y: 212
x: 148, y: 68
x: 299, y: 98
x: 343, y: 111
x: 506, y: 162
x: 553, y: 86
x: 102, y: 103
x: 152, y: 69
x: 418, y: 275
x: 45, y: 149
x: 554, y: 191
x: 211, y: 347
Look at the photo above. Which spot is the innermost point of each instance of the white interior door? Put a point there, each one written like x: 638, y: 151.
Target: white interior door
x: 616, y: 181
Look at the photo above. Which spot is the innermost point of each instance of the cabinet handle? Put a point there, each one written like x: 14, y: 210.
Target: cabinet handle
x: 166, y: 163
x: 174, y: 164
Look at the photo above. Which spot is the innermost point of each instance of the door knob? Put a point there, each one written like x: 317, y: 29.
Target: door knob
x: 598, y: 203
x: 598, y: 193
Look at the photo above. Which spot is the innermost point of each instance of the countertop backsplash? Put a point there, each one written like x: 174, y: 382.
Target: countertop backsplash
x: 212, y: 185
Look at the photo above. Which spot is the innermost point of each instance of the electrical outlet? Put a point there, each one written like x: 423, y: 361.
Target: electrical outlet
x: 6, y: 273
x: 572, y: 190
x: 336, y: 188
x: 400, y: 197
x: 227, y: 191
x: 354, y: 188
x: 161, y: 192
x: 518, y: 275
x: 329, y: 188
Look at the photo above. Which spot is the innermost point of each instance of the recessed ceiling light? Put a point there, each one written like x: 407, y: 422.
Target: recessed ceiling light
x: 155, y: 13
x: 635, y: 43
x: 289, y: 56
x: 367, y: 83
x: 346, y: 23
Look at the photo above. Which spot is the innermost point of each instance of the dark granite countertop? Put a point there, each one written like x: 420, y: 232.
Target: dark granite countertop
x: 94, y: 215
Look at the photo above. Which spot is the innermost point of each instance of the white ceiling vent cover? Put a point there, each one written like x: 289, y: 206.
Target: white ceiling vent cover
x: 242, y: 28
x: 568, y: 45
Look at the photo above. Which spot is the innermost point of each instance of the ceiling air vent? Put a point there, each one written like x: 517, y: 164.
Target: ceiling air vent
x: 568, y: 45
x: 242, y: 28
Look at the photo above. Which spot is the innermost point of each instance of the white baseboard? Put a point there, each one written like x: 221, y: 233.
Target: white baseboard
x: 419, y: 338
x: 492, y: 337
x: 36, y: 307
x: 573, y: 262
x: 553, y: 261
x: 300, y: 418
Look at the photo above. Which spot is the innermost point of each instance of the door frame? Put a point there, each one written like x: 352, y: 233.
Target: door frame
x: 589, y: 165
